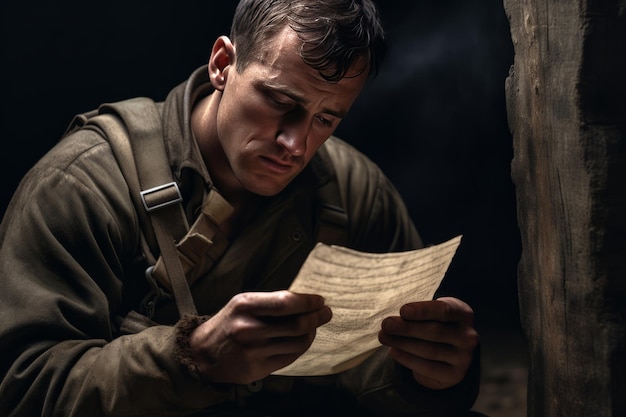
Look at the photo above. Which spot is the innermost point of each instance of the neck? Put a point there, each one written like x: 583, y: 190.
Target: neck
x: 204, y: 130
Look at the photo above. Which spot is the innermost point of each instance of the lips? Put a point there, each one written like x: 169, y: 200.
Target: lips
x: 277, y: 165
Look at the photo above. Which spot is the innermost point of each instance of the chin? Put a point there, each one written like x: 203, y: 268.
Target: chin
x: 266, y: 189
x: 265, y: 185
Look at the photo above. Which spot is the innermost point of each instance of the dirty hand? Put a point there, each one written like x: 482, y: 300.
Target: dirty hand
x: 434, y: 339
x: 255, y: 334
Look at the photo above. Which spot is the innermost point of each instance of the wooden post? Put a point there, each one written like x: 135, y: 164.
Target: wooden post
x: 566, y: 101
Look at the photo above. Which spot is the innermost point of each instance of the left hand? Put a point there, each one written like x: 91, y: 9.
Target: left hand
x: 434, y: 339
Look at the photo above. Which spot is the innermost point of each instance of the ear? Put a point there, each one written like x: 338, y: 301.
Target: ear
x: 222, y: 58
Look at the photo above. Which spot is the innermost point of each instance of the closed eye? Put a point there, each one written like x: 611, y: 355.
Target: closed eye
x: 327, y: 122
x: 280, y: 103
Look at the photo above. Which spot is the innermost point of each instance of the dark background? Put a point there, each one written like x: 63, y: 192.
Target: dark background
x: 434, y: 119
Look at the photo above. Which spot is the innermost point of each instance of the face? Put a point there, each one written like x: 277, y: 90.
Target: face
x: 272, y: 117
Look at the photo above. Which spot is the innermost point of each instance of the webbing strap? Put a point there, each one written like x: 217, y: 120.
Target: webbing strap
x: 332, y: 218
x: 173, y: 265
x: 204, y: 244
x: 333, y: 225
x: 159, y: 193
x: 143, y: 160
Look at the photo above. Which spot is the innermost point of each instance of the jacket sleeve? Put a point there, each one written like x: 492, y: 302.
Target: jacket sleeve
x: 380, y: 222
x: 66, y: 238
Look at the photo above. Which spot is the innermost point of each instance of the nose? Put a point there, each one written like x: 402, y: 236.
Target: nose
x: 293, y: 137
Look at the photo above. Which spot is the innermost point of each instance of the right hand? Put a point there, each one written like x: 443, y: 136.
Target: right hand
x: 255, y: 334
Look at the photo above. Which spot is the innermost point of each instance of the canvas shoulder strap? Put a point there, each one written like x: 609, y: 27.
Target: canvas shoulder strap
x: 333, y: 225
x: 134, y: 130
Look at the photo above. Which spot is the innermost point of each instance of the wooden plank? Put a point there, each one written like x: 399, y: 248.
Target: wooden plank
x: 566, y: 102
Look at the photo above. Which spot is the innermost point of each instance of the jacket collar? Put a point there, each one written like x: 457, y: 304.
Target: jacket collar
x: 182, y: 147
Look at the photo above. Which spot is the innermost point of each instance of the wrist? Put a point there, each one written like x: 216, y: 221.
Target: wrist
x: 184, y: 353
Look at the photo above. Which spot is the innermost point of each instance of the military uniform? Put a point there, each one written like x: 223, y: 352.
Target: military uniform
x: 72, y: 269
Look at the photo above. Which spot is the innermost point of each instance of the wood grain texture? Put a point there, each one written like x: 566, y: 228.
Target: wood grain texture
x: 566, y: 100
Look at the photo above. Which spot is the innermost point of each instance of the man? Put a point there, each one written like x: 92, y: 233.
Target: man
x: 253, y: 128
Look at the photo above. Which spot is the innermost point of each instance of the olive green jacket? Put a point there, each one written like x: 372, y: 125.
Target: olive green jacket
x: 71, y: 268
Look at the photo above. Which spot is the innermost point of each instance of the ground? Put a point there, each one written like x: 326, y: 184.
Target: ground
x: 504, y: 371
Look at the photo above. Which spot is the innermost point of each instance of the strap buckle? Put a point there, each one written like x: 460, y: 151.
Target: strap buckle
x: 161, y: 196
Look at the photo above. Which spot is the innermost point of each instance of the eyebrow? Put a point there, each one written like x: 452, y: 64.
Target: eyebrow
x: 300, y: 99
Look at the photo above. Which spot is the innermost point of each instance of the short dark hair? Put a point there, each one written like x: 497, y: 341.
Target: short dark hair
x: 335, y: 33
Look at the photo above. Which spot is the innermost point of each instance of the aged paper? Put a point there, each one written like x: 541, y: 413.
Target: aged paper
x: 362, y: 289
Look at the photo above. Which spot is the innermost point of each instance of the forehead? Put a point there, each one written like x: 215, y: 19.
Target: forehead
x: 284, y: 48
x: 281, y: 49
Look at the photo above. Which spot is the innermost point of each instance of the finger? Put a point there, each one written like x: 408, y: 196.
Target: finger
x: 292, y: 345
x: 295, y: 325
x: 256, y: 330
x: 456, y: 334
x: 276, y: 303
x: 280, y: 352
x: 276, y: 362
x: 441, y: 370
x: 445, y: 309
x: 432, y: 374
x: 423, y: 366
x: 440, y: 352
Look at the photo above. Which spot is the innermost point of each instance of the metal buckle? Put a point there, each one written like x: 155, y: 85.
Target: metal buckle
x: 161, y: 196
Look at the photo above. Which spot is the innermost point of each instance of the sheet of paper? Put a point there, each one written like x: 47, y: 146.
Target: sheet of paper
x: 362, y: 289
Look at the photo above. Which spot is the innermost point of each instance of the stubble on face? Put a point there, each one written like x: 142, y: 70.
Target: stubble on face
x: 249, y: 124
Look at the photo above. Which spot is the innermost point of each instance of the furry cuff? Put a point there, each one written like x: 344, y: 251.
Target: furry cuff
x: 183, y: 329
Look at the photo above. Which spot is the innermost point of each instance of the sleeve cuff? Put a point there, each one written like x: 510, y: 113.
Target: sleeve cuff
x: 183, y: 330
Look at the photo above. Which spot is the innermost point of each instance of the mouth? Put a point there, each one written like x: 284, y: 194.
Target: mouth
x: 278, y: 166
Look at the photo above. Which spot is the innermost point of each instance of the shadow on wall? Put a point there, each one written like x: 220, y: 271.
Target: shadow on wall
x: 434, y: 119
